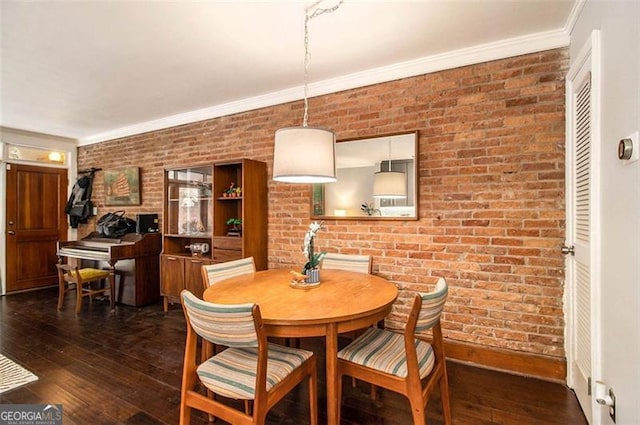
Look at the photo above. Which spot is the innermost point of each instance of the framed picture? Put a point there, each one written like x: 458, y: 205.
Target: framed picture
x: 122, y: 186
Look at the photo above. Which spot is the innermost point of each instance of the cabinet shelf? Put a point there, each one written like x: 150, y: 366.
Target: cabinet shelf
x: 189, y: 235
x: 229, y: 198
x: 197, y: 199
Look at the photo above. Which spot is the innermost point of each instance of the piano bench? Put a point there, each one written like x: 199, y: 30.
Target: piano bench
x: 73, y: 278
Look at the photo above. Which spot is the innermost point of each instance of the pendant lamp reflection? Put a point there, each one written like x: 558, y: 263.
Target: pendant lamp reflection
x: 305, y: 154
x: 389, y: 184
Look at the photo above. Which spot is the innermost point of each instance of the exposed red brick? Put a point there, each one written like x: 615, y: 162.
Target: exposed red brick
x: 491, y: 210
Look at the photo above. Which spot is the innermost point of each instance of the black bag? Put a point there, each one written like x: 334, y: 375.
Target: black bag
x: 82, y: 210
x: 115, y: 224
x: 79, y: 206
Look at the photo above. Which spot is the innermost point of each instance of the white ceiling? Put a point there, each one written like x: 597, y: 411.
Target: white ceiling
x: 96, y: 70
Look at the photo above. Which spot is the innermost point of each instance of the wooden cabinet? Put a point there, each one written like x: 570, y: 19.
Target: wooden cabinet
x: 203, y: 206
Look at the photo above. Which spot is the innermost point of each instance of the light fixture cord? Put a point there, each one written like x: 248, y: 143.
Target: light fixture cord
x: 307, y: 55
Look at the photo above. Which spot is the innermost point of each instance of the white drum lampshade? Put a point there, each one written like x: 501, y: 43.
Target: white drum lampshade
x: 389, y: 184
x: 304, y: 155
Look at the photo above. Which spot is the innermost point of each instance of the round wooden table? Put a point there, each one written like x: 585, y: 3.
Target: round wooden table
x: 343, y: 302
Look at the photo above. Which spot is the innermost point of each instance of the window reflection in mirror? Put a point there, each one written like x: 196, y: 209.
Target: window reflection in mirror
x: 357, y: 162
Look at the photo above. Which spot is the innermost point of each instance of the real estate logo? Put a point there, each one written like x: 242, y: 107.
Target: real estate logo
x: 30, y: 414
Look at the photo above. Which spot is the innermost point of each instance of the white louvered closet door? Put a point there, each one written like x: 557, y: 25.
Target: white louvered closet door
x: 582, y: 225
x: 582, y: 231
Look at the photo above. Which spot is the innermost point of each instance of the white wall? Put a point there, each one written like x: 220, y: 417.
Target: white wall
x: 23, y: 138
x: 619, y: 23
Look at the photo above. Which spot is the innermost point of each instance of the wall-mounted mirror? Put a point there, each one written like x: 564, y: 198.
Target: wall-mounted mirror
x: 386, y: 164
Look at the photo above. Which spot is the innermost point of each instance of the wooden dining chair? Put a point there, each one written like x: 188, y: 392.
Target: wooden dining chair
x: 404, y: 363
x: 250, y: 369
x: 349, y: 262
x: 212, y: 273
x: 354, y: 263
x: 72, y: 278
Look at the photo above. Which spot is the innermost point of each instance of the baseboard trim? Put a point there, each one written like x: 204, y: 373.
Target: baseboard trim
x: 520, y: 363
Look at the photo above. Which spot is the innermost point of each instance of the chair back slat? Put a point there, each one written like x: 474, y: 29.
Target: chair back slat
x: 213, y: 273
x: 349, y: 262
x: 231, y: 325
x: 432, y: 306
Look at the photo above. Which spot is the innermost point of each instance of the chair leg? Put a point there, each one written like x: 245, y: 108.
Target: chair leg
x: 112, y: 291
x: 185, y: 414
x: 292, y: 342
x: 61, y: 291
x: 444, y: 396
x: 78, y: 298
x: 260, y: 419
x: 212, y: 396
x: 417, y: 409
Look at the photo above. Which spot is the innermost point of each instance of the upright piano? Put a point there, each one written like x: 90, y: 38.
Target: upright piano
x: 135, y: 259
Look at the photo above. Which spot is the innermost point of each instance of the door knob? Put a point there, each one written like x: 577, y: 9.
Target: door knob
x: 568, y: 250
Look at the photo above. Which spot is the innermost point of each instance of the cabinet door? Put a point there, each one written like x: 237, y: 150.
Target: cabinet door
x: 188, y: 204
x: 193, y: 275
x: 172, y: 275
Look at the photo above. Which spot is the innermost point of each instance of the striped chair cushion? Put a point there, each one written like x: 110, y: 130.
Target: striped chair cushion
x: 432, y: 306
x: 354, y: 263
x: 223, y: 324
x: 220, y: 271
x: 383, y: 350
x: 232, y: 373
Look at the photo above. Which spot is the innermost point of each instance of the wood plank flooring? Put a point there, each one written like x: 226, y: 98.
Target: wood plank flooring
x: 126, y: 369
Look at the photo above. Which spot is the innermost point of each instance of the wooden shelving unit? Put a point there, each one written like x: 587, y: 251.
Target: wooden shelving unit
x: 196, y: 211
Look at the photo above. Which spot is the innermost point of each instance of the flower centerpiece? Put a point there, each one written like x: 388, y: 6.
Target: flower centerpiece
x: 311, y: 266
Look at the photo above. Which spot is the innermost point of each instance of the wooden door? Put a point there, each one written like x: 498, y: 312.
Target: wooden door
x: 36, y: 221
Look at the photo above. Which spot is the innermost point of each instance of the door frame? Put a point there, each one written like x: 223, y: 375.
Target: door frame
x: 588, y: 60
x: 10, y: 137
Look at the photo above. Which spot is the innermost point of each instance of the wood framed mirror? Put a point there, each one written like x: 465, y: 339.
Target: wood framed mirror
x: 360, y: 164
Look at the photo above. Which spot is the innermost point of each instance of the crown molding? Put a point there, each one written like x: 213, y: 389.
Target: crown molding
x: 454, y: 59
x: 573, y: 15
x: 449, y: 60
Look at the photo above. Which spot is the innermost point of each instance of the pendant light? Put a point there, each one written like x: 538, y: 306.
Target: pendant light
x: 389, y: 184
x: 305, y: 154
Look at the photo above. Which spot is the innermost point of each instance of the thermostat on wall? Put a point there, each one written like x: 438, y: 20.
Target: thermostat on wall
x: 625, y: 149
x: 628, y: 149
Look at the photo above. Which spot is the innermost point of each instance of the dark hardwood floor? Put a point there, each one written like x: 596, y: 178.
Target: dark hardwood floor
x: 126, y: 369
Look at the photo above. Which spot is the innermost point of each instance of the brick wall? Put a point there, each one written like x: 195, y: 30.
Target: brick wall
x: 491, y: 171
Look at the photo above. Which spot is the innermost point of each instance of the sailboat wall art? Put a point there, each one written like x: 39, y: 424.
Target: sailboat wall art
x: 122, y: 186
